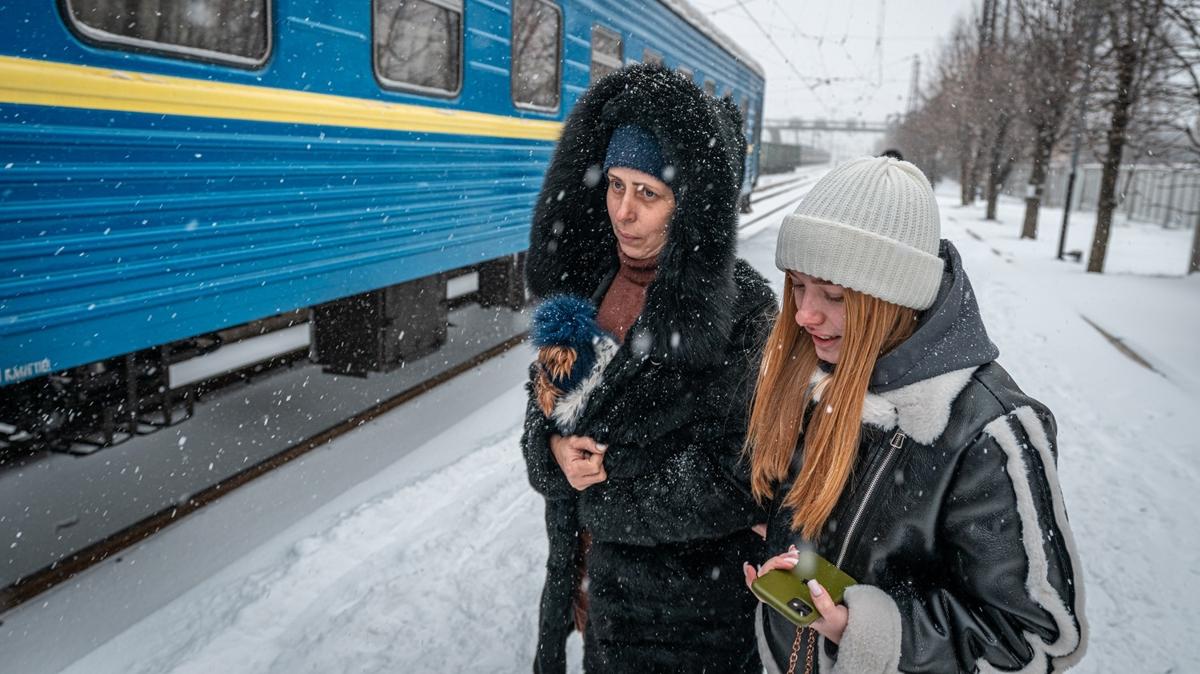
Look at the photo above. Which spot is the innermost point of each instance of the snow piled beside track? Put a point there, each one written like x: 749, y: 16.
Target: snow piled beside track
x: 440, y: 573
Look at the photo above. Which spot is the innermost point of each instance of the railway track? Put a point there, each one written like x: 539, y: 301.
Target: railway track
x: 789, y: 186
x: 776, y: 188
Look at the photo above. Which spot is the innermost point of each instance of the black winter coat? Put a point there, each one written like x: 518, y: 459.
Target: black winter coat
x: 671, y: 525
x: 952, y: 521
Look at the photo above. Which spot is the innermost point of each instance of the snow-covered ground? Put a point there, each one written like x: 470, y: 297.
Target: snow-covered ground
x: 434, y: 564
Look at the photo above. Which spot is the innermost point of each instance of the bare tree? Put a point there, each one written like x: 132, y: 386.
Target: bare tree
x: 926, y: 133
x: 998, y: 84
x: 1051, y: 55
x: 1184, y: 16
x: 976, y: 80
x: 1002, y: 149
x: 1137, y: 56
x: 1004, y: 84
x: 959, y: 103
x: 965, y: 119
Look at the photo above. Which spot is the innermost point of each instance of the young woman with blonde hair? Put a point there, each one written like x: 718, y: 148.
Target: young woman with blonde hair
x: 886, y: 439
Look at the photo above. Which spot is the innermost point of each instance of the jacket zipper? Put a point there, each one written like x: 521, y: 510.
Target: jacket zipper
x: 896, y: 444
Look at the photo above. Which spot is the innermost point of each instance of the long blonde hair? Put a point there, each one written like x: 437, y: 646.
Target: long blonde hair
x: 783, y: 393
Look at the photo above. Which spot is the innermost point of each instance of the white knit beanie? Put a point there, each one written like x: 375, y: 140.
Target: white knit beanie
x: 870, y: 224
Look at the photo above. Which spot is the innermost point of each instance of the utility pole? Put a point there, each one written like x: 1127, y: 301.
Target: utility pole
x: 879, y: 42
x: 1093, y: 30
x: 1194, y: 266
x: 914, y: 85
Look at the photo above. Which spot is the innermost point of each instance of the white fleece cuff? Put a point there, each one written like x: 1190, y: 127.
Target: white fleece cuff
x: 871, y: 642
x: 764, y: 648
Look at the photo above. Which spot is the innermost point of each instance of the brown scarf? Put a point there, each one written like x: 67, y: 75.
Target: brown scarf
x: 626, y: 297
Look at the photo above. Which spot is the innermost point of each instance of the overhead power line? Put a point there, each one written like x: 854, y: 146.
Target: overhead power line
x: 784, y: 56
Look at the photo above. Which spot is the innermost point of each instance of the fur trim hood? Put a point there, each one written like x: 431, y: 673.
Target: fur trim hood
x: 688, y: 315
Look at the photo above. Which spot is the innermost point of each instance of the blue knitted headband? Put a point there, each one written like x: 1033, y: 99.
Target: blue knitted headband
x: 633, y: 147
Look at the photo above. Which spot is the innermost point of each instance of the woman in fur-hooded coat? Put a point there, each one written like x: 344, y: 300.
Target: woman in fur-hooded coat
x: 671, y: 524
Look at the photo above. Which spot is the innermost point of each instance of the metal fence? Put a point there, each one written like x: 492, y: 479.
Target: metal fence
x: 1164, y: 194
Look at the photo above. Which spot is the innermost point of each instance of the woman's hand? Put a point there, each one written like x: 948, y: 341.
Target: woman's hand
x: 783, y: 561
x: 581, y: 460
x: 834, y: 617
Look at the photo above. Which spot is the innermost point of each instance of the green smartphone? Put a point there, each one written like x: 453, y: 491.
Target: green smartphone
x: 787, y: 591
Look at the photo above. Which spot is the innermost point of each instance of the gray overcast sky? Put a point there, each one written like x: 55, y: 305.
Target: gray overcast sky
x: 836, y: 40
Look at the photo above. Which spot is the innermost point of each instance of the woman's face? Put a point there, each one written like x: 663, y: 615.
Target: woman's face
x: 820, y: 313
x: 640, y: 207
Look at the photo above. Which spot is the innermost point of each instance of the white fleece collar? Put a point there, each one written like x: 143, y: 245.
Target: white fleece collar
x: 921, y: 409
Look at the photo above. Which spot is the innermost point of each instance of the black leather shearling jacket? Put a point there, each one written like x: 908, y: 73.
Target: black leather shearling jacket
x: 952, y: 522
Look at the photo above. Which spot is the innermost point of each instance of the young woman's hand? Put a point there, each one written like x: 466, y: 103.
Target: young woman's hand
x: 581, y: 460
x: 784, y: 561
x: 834, y: 617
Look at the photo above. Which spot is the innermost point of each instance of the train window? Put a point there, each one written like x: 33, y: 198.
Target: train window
x: 227, y: 31
x: 651, y: 56
x: 710, y: 88
x: 606, y: 52
x: 685, y: 71
x: 745, y: 107
x: 418, y: 44
x: 536, y: 25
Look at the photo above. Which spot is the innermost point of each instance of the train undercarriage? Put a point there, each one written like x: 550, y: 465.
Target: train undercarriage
x: 102, y: 404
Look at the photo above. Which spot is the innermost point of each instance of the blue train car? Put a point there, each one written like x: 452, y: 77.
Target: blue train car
x: 170, y: 169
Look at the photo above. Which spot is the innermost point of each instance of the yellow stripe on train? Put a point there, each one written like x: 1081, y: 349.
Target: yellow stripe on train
x: 32, y: 82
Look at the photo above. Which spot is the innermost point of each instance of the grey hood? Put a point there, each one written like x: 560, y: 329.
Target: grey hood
x: 949, y: 336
